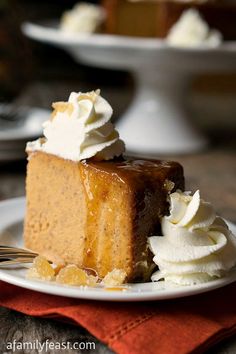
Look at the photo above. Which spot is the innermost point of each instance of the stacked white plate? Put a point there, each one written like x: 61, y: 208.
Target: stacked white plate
x: 15, y: 134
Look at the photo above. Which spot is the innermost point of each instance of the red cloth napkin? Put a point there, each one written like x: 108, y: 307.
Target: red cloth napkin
x: 187, y: 325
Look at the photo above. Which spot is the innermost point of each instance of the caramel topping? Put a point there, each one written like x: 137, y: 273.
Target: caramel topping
x: 140, y: 175
x: 89, y: 96
x: 63, y: 107
x: 130, y: 168
x: 92, y: 208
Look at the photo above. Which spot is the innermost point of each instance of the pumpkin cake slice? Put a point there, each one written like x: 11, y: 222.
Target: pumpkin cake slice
x: 86, y: 203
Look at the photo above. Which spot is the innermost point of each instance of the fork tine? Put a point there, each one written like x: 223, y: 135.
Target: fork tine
x: 7, y: 247
x: 14, y: 262
x: 10, y: 247
x: 15, y: 250
x: 4, y: 246
x: 9, y: 255
x: 23, y: 259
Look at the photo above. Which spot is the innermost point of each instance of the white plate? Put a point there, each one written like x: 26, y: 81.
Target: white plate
x: 31, y: 127
x: 13, y: 137
x: 11, y: 226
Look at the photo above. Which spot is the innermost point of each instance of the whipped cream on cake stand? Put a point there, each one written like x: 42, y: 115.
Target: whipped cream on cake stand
x: 157, y: 121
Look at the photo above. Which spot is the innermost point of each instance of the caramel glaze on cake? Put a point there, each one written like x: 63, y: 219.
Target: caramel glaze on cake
x: 97, y: 214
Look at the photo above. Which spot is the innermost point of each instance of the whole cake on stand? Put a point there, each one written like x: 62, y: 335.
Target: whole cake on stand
x: 154, y: 18
x: 157, y: 120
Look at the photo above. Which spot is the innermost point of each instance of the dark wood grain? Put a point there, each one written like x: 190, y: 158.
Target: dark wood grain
x: 15, y: 326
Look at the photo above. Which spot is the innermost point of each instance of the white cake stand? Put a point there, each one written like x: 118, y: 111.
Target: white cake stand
x: 157, y: 121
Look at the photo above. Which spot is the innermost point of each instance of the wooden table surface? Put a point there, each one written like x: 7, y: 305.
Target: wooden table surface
x: 212, y: 171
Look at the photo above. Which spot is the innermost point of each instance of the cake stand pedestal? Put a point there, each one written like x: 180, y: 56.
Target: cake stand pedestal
x: 157, y: 122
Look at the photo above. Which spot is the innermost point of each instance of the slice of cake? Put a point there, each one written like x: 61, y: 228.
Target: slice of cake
x: 129, y: 18
x: 154, y: 18
x: 88, y: 205
x: 145, y: 18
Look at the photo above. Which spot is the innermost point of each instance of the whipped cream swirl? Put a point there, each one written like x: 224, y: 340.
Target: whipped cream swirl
x: 197, y: 245
x: 83, y: 18
x: 80, y: 129
x: 192, y: 31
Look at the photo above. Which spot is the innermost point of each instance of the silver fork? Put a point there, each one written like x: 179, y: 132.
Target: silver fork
x: 13, y: 256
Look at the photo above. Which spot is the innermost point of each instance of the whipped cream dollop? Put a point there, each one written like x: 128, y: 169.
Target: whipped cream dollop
x: 83, y: 18
x: 80, y: 129
x: 197, y: 245
x: 192, y: 31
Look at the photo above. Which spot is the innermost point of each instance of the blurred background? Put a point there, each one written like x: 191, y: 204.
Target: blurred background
x: 36, y: 74
x: 50, y: 73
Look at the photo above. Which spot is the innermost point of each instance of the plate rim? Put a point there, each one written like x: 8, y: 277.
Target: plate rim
x: 45, y: 30
x: 12, y: 135
x: 117, y: 296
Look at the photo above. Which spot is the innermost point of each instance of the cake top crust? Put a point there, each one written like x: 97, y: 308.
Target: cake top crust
x: 137, y: 170
x: 131, y: 164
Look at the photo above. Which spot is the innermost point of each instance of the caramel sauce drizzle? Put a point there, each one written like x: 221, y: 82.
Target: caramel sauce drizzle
x: 99, y: 246
x: 99, y: 224
x: 92, y: 207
